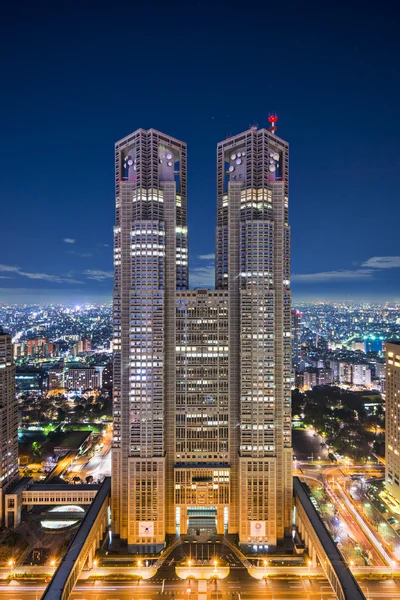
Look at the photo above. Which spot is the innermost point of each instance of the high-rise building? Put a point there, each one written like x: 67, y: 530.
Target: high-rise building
x: 202, y: 419
x: 296, y: 337
x: 8, y: 419
x: 392, y: 417
x: 253, y: 265
x: 151, y: 264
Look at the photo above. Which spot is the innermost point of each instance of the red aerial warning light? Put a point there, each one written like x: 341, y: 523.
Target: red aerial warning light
x: 273, y: 119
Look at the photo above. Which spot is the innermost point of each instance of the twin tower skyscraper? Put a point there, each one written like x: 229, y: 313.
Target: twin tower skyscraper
x: 202, y: 378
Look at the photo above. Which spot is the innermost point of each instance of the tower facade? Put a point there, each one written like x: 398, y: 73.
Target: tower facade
x: 296, y: 337
x: 392, y: 454
x: 202, y: 420
x: 150, y: 265
x: 253, y: 265
x: 8, y: 419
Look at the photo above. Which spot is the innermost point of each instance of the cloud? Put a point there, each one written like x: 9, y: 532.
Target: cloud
x: 97, y: 274
x: 81, y: 254
x: 9, y: 268
x: 202, y: 276
x: 382, y: 262
x: 206, y: 257
x: 43, y: 276
x: 366, y: 271
x: 340, y: 275
x: 5, y: 277
x: 69, y: 240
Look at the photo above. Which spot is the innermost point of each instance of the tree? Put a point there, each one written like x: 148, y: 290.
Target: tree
x: 36, y: 447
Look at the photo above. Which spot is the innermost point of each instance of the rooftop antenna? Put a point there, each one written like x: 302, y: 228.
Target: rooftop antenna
x: 254, y: 126
x: 273, y: 118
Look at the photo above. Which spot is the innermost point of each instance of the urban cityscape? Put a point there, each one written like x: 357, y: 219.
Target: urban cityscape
x: 199, y: 302
x: 197, y: 441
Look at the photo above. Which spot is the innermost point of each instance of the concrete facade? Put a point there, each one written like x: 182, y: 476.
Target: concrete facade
x: 202, y: 422
x: 8, y: 422
x: 392, y: 416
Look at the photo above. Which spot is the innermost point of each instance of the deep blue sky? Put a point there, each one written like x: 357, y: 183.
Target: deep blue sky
x: 76, y: 77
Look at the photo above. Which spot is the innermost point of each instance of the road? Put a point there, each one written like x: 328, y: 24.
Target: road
x: 62, y: 465
x: 230, y: 589
x: 99, y: 466
x: 350, y: 530
x: 335, y: 486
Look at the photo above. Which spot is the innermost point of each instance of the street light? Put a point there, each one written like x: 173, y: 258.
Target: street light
x: 53, y: 562
x: 215, y: 566
x: 189, y: 563
x: 188, y: 592
x: 11, y: 564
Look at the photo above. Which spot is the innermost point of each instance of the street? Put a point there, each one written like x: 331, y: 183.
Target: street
x: 233, y: 588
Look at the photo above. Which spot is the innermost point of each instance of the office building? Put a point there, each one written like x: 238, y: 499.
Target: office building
x: 202, y: 419
x: 373, y: 343
x: 361, y: 375
x: 296, y: 337
x: 392, y: 416
x: 8, y: 419
x: 78, y: 379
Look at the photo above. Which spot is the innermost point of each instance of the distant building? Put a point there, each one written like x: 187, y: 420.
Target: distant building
x: 77, y: 379
x: 380, y: 370
x: 358, y: 345
x: 361, y: 375
x: 107, y: 377
x: 56, y: 378
x: 393, y: 418
x: 310, y: 377
x: 8, y: 419
x: 299, y: 379
x: 345, y: 373
x: 317, y: 376
x: 81, y: 346
x: 373, y: 343
x: 296, y: 337
x: 84, y: 345
x: 39, y: 348
x: 325, y: 376
x: 30, y: 379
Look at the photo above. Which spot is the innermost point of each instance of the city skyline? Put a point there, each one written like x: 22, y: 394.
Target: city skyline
x: 60, y: 123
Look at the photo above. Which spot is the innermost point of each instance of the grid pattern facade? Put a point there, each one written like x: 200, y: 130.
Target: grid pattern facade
x: 253, y: 264
x: 392, y: 427
x: 150, y: 264
x: 8, y: 419
x: 202, y: 377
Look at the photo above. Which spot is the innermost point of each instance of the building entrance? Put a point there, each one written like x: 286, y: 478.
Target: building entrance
x: 202, y: 520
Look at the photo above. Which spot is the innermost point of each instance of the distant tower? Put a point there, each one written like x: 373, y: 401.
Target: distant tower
x: 8, y: 420
x: 296, y: 338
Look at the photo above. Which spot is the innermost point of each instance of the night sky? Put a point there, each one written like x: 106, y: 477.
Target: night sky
x: 76, y: 77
